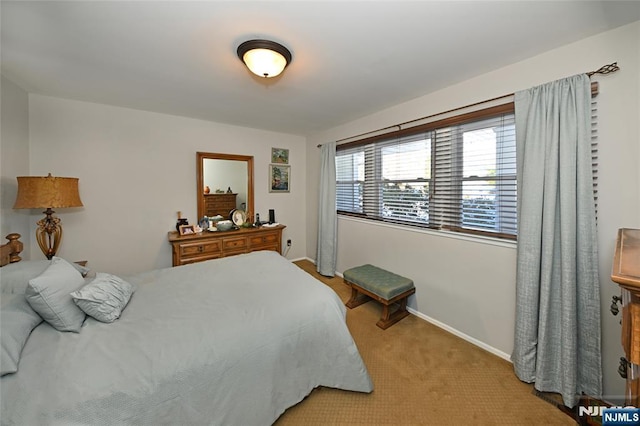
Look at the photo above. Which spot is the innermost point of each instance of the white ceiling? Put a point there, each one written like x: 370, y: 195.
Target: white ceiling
x: 350, y: 58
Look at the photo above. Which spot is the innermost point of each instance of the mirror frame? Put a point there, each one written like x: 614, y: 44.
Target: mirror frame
x: 201, y: 156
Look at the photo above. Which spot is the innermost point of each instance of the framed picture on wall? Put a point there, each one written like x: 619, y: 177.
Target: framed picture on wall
x: 279, y: 155
x: 279, y: 178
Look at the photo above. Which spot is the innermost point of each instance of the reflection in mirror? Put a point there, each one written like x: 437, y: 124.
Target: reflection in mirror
x: 225, y: 179
x: 216, y: 174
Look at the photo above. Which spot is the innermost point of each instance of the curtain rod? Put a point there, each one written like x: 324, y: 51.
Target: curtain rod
x: 605, y: 69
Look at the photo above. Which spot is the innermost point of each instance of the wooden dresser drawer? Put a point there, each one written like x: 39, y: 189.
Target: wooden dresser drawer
x: 266, y: 239
x: 199, y: 249
x: 234, y: 244
x: 196, y: 259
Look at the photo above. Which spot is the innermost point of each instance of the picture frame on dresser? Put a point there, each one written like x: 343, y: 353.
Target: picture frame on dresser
x: 187, y: 229
x: 279, y: 178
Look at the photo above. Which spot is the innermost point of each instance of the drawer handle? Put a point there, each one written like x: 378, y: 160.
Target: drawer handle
x: 622, y: 368
x: 614, y: 304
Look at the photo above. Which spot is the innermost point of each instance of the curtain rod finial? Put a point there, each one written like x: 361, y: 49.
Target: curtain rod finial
x: 605, y: 69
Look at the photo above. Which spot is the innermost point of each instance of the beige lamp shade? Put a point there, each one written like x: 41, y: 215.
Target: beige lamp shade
x: 47, y: 192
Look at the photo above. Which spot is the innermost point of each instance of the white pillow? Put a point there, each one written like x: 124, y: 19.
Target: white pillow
x: 17, y: 320
x: 48, y: 295
x: 15, y: 277
x: 104, y: 298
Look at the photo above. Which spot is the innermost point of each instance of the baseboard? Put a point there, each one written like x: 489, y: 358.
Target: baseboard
x: 461, y: 335
x: 447, y: 328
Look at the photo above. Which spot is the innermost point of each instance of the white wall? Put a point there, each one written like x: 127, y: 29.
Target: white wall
x: 137, y: 169
x: 14, y: 160
x: 469, y: 286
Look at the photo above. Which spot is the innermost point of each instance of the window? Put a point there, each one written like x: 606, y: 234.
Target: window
x: 457, y: 174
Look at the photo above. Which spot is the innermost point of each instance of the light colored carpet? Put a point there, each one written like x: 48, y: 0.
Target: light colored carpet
x: 422, y: 375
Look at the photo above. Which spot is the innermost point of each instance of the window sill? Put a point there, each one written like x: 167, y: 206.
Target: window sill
x: 479, y: 239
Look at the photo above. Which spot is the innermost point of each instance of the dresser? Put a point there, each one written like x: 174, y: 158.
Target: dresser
x: 626, y: 273
x: 219, y: 204
x: 211, y: 245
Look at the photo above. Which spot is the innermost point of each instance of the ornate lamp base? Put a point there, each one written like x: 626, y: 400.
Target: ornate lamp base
x: 49, y: 234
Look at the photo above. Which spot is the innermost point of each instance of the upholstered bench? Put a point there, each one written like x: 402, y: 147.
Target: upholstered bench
x: 370, y: 282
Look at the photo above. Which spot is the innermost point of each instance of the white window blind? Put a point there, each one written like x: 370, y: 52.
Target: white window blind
x: 457, y: 174
x: 475, y: 177
x: 350, y: 180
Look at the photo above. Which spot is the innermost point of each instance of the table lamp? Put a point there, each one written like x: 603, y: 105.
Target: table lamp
x: 47, y: 192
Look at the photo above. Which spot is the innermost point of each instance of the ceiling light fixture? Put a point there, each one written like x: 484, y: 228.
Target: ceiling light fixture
x: 264, y: 57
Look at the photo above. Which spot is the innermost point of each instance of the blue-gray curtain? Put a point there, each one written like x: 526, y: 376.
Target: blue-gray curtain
x: 557, y: 330
x: 327, y: 215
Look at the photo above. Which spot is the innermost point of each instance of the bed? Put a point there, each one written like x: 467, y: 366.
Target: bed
x: 231, y: 341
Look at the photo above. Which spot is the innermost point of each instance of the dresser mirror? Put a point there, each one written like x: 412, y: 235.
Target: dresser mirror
x: 224, y: 183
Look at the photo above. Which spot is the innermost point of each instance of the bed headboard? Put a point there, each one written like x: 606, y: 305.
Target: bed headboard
x: 10, y: 252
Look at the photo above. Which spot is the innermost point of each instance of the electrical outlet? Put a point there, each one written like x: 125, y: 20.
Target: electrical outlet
x: 288, y: 243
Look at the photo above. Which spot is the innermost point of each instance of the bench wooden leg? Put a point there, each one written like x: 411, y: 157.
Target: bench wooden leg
x: 357, y: 298
x: 388, y: 318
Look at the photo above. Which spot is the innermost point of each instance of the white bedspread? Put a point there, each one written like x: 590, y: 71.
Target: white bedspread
x: 233, y: 341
